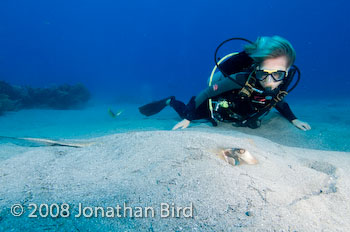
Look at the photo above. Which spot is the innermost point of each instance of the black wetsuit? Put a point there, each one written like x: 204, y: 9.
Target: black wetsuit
x: 238, y: 68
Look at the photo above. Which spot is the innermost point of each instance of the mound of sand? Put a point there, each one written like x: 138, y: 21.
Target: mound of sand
x: 290, y: 188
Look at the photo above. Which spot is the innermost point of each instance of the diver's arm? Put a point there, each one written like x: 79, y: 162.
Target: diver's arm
x: 285, y: 110
x: 223, y: 84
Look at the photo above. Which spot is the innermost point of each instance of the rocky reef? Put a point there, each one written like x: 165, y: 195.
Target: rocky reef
x: 13, y: 98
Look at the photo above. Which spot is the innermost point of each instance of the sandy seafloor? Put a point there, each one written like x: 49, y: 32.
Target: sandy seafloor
x: 301, y: 183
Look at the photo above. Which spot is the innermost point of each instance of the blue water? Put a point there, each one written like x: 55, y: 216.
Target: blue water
x: 157, y: 48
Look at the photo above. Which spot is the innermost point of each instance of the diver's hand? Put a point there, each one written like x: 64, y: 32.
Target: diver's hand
x: 301, y: 125
x: 183, y: 124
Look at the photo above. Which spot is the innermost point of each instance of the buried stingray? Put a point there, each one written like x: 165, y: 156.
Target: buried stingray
x: 233, y: 156
x: 236, y: 156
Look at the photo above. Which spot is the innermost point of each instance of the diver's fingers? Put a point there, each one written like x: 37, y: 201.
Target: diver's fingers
x: 176, y: 127
x: 308, y: 126
x: 183, y: 124
x: 301, y: 127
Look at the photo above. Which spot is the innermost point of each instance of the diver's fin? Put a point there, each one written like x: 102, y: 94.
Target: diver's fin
x: 154, y: 107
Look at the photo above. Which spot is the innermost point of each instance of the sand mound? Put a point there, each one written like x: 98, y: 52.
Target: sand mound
x: 289, y: 189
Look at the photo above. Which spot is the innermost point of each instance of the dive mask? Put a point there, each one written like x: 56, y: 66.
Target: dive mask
x: 277, y: 75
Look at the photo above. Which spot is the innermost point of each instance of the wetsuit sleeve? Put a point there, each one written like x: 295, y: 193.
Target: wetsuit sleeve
x: 285, y: 110
x: 221, y: 86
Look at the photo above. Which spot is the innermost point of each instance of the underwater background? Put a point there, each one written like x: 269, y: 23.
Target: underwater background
x: 133, y: 52
x: 118, y: 55
x: 122, y: 49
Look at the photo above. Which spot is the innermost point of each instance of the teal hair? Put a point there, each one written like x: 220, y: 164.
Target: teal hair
x: 270, y: 47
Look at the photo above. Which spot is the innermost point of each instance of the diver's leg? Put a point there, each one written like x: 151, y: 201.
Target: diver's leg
x: 178, y: 106
x: 189, y: 110
x: 203, y: 112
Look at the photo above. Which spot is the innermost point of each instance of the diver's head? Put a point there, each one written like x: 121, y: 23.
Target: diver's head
x: 272, y: 72
x: 273, y: 56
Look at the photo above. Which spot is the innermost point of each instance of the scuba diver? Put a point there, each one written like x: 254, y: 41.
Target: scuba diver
x: 246, y: 87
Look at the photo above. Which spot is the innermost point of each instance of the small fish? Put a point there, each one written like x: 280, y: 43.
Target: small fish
x: 114, y: 115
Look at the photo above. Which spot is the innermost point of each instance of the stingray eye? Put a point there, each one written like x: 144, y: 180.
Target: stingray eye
x: 238, y: 150
x: 227, y: 152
